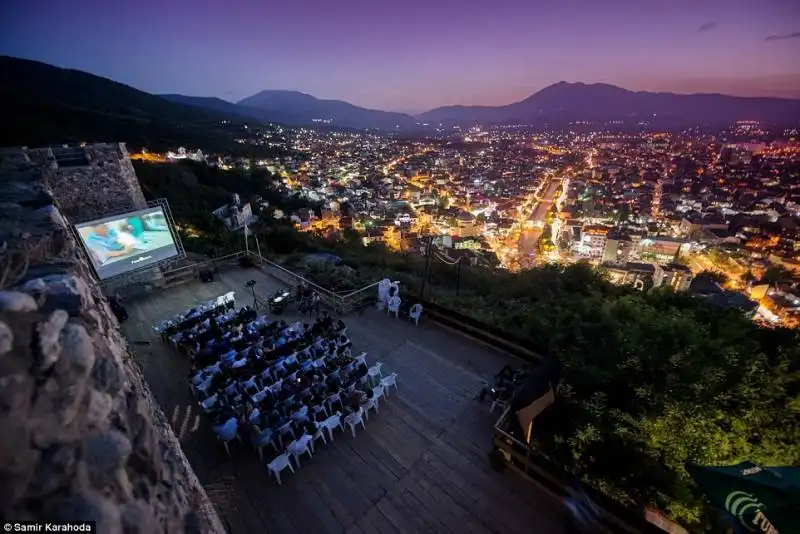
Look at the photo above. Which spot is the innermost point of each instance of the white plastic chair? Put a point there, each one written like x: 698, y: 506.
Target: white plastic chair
x: 319, y: 435
x: 394, y: 306
x: 300, y: 415
x: 226, y: 442
x: 372, y: 404
x: 414, y: 313
x: 266, y: 374
x: 232, y: 389
x: 277, y: 368
x: 354, y: 419
x: 277, y: 386
x: 286, y: 429
x: 266, y: 439
x: 261, y: 395
x: 387, y: 382
x: 198, y: 378
x: 332, y: 422
x: 279, y: 464
x: 374, y: 372
x: 331, y: 400
x: 209, y: 403
x: 299, y: 447
x: 251, y: 383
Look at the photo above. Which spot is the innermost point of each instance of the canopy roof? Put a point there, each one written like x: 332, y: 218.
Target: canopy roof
x: 756, y: 499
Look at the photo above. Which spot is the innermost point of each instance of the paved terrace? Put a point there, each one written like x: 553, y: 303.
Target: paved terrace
x: 421, y: 465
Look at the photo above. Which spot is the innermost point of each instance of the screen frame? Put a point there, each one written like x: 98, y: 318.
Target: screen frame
x: 103, y: 273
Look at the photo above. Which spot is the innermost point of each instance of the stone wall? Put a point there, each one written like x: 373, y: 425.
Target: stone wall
x: 82, y: 436
x: 106, y: 184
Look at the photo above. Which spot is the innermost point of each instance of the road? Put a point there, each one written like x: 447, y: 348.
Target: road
x: 530, y: 236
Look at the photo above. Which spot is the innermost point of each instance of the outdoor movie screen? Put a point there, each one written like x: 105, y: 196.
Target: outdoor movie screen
x: 127, y: 242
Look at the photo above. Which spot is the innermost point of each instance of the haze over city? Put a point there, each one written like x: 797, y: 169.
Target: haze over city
x: 416, y: 55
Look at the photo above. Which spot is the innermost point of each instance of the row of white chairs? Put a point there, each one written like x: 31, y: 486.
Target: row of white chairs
x: 373, y: 376
x: 222, y: 300
x: 305, y: 444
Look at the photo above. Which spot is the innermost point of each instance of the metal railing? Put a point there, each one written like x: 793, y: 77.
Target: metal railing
x: 195, y: 268
x: 356, y: 299
x: 341, y: 303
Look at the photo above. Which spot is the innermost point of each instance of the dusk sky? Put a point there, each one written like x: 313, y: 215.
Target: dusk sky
x: 413, y: 55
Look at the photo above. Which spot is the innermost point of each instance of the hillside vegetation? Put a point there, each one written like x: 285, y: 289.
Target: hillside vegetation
x: 45, y: 105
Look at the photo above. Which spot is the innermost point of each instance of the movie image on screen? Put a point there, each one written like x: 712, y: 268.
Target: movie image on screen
x: 127, y: 242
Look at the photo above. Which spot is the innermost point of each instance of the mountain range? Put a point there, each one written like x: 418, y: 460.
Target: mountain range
x: 568, y: 102
x: 41, y: 103
x: 556, y: 105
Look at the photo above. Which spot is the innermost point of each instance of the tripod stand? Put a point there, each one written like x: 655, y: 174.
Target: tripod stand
x: 253, y: 292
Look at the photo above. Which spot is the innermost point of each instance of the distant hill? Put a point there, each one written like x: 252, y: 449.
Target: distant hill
x: 219, y: 105
x: 41, y: 104
x: 299, y: 109
x: 564, y: 102
x: 293, y: 108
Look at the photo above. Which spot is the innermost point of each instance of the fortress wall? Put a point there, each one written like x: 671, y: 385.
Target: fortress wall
x: 82, y: 436
x: 105, y: 184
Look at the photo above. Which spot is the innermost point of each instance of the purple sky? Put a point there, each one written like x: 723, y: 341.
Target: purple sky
x: 412, y: 55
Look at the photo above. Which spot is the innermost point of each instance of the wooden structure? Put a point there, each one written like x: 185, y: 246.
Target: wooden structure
x: 421, y: 466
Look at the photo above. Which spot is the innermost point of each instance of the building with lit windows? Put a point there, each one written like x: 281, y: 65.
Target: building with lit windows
x: 592, y: 242
x: 678, y: 277
x: 661, y: 249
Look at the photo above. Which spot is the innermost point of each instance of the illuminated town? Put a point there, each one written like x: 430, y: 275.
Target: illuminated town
x: 651, y: 209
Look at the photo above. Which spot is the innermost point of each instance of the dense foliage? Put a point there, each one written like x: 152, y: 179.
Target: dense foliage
x: 194, y: 190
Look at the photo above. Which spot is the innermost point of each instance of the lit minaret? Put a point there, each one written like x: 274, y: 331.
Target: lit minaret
x: 656, y: 208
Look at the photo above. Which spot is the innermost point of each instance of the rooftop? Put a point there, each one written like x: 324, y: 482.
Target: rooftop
x: 421, y: 465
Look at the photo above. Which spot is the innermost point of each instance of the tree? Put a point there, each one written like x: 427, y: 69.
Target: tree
x: 715, y: 276
x: 777, y: 275
x: 194, y: 190
x: 285, y: 239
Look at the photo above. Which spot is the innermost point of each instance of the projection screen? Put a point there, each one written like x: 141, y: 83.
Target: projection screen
x: 127, y: 242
